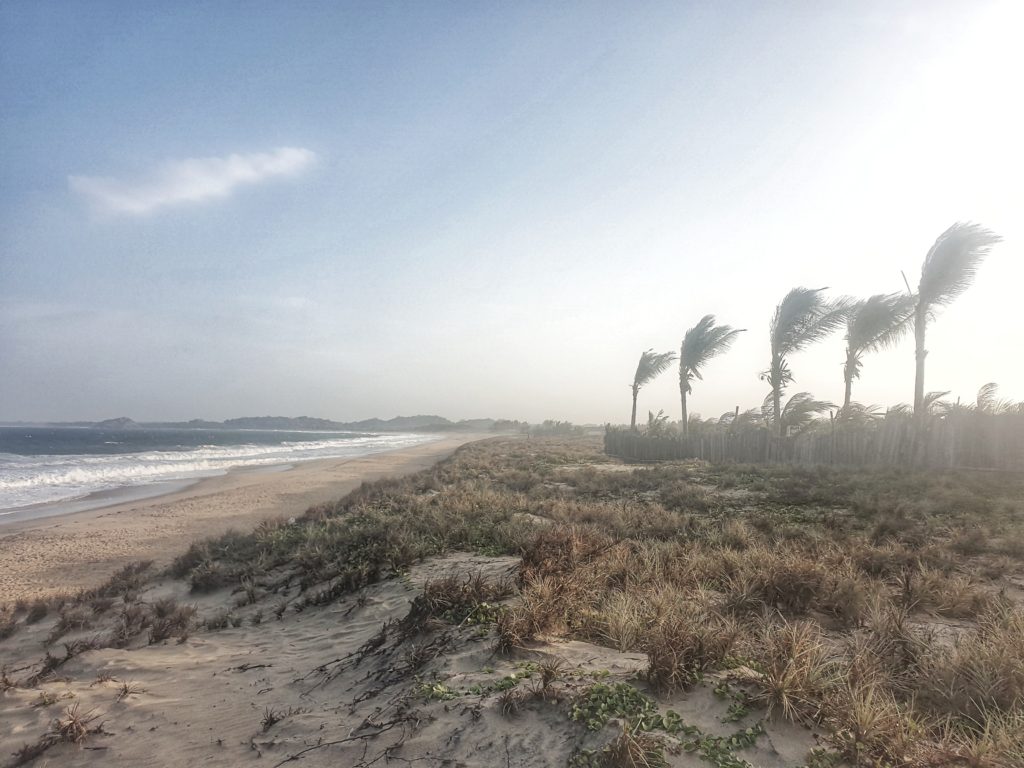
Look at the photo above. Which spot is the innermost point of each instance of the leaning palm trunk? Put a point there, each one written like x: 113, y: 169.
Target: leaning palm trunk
x: 776, y: 382
x: 802, y: 318
x: 848, y: 370
x: 920, y: 325
x: 701, y: 343
x: 651, y: 364
x: 874, y: 324
x: 948, y: 271
x: 632, y: 419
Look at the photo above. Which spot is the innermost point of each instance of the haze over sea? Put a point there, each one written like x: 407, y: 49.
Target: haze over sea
x: 46, y: 465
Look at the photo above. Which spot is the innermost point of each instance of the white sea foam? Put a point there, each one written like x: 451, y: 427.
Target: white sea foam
x: 26, y: 480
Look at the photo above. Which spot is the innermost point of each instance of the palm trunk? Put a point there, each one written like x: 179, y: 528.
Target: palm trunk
x: 777, y: 407
x: 920, y: 320
x: 686, y: 423
x: 632, y: 421
x: 848, y: 371
x: 776, y: 381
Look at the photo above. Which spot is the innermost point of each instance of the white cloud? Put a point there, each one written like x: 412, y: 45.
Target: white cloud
x: 191, y: 180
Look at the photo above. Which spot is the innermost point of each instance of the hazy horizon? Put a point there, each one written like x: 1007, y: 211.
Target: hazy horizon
x: 356, y: 210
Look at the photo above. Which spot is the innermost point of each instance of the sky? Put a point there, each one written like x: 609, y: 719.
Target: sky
x: 346, y: 210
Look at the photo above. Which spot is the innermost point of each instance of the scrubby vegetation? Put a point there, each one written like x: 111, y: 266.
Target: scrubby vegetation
x: 881, y: 607
x: 873, y: 603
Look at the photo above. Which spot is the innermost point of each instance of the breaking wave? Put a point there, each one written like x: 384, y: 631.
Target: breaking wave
x: 27, y: 480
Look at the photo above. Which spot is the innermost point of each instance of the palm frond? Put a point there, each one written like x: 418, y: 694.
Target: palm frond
x: 657, y: 424
x: 952, y: 262
x: 858, y: 414
x: 651, y: 365
x: 752, y: 417
x: 878, y: 322
x: 986, y: 400
x: 803, y: 317
x: 701, y: 343
x: 945, y: 409
x: 778, y: 375
x: 798, y: 412
x: 900, y: 410
x: 801, y: 410
x: 933, y: 401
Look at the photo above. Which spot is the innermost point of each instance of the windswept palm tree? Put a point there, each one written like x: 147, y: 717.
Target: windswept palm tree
x: 934, y: 405
x: 752, y: 418
x: 803, y: 317
x: 948, y: 270
x: 988, y: 400
x: 799, y: 412
x: 856, y: 414
x: 701, y: 343
x: 657, y: 425
x: 873, y: 325
x: 651, y: 364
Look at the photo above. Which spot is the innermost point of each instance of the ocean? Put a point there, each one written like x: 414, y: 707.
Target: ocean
x: 51, y: 465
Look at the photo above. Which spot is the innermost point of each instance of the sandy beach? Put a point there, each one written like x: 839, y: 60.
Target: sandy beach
x: 51, y: 555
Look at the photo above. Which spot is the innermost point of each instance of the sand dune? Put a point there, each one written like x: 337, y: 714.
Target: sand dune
x: 311, y: 689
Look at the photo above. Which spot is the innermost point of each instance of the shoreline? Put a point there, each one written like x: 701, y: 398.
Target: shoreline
x: 65, y: 552
x: 188, y: 466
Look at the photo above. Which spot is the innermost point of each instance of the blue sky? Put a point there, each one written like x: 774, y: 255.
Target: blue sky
x: 345, y: 210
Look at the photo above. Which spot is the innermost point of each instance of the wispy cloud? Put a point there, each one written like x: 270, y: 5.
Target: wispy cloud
x: 189, y: 181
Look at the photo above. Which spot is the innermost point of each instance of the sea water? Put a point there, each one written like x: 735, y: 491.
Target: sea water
x: 47, y: 465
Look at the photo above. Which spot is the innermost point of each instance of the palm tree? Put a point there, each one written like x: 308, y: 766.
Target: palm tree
x: 803, y: 317
x: 989, y: 402
x: 657, y: 425
x: 799, y: 412
x: 859, y: 415
x: 752, y: 418
x: 933, y: 405
x: 873, y: 325
x: 701, y: 343
x: 947, y: 272
x: 651, y: 364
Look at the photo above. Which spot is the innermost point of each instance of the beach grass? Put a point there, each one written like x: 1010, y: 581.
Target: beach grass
x: 827, y: 585
x: 878, y: 607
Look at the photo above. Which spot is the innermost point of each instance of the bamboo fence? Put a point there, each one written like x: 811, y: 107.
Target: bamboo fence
x: 972, y: 440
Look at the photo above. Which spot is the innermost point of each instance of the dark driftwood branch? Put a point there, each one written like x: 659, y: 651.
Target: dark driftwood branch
x: 298, y: 755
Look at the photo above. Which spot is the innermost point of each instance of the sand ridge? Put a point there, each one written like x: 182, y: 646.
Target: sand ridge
x: 337, y: 696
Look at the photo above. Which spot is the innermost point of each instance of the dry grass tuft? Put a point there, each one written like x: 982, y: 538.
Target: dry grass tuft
x: 510, y: 701
x: 457, y: 599
x: 868, y: 723
x: 75, y: 726
x: 685, y: 643
x: 633, y: 748
x: 170, y: 620
x: 797, y: 671
x: 982, y: 674
x: 129, y: 688
x: 37, y: 611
